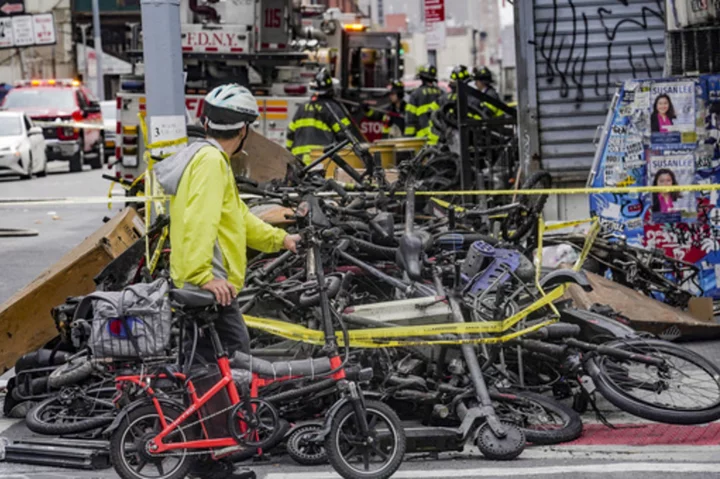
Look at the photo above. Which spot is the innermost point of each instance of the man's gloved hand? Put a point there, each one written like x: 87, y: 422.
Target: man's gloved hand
x: 224, y: 291
x: 290, y: 242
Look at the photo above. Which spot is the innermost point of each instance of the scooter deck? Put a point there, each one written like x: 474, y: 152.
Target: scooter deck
x: 421, y: 438
x: 72, y: 453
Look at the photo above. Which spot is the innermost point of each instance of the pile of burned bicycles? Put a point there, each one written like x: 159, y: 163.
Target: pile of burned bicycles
x: 406, y: 323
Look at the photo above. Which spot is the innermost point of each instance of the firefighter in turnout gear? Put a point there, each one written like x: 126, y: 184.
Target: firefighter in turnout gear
x: 393, y: 117
x: 422, y: 102
x: 459, y: 74
x: 314, y: 126
x: 484, y: 83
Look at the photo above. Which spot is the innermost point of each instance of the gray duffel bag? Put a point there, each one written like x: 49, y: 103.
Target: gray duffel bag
x: 132, y: 323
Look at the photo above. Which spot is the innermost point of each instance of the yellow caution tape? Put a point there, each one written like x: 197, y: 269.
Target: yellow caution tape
x: 295, y: 332
x: 79, y: 200
x: 158, y: 144
x: 568, y: 224
x: 560, y: 191
x: 71, y: 124
x: 153, y: 192
x: 572, y: 191
x: 408, y: 335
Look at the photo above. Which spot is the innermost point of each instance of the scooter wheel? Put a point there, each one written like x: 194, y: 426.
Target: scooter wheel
x: 304, y: 452
x: 501, y: 448
x: 353, y: 455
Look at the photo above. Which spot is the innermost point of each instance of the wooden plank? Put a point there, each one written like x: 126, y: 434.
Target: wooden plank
x: 644, y: 313
x: 25, y: 320
x: 265, y: 159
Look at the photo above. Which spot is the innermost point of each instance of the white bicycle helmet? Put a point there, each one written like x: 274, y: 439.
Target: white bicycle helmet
x: 230, y: 107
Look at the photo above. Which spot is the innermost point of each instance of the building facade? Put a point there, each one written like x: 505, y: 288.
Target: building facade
x: 52, y: 61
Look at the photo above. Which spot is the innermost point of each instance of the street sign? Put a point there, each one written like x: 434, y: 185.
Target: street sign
x: 11, y: 7
x: 27, y: 30
x: 44, y: 29
x: 434, y: 11
x: 23, y: 31
x: 6, y: 33
x: 435, y: 36
x: 92, y: 63
x: 273, y: 25
x: 435, y: 31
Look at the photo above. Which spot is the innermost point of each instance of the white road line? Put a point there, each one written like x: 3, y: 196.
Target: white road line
x: 526, y: 471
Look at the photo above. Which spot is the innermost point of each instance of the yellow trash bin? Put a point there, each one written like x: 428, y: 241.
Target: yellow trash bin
x: 405, y: 148
x: 346, y: 154
x: 386, y: 152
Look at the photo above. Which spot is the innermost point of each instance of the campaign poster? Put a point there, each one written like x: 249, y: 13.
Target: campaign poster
x: 672, y: 113
x: 672, y: 167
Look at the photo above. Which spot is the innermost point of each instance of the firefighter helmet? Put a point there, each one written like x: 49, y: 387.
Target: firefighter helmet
x: 397, y: 86
x: 323, y: 82
x: 460, y: 73
x: 427, y: 72
x: 483, y: 74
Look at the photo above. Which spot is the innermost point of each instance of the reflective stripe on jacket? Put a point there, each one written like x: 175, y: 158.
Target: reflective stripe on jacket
x: 314, y: 127
x: 494, y: 111
x: 452, y: 99
x: 422, y: 102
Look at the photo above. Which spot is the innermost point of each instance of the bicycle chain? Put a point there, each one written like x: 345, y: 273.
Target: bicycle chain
x: 180, y: 429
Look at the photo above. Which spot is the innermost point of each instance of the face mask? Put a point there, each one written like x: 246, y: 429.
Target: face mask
x: 242, y: 142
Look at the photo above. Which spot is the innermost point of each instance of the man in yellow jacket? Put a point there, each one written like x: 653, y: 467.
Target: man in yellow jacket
x: 210, y: 226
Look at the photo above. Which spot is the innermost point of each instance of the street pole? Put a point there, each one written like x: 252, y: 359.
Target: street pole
x: 162, y: 56
x: 134, y: 41
x: 98, y: 50
x: 22, y: 62
x: 83, y: 31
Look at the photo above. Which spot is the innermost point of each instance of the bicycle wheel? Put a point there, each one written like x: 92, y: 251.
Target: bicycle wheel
x: 353, y: 456
x: 684, y: 390
x: 61, y: 415
x: 72, y: 372
x: 302, y: 450
x: 129, y: 454
x: 520, y: 221
x: 543, y: 419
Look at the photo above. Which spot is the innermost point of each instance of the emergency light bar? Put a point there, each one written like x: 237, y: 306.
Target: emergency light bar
x: 48, y: 82
x: 355, y: 27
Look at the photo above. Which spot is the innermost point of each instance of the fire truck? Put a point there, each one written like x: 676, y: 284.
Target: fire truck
x: 275, y: 54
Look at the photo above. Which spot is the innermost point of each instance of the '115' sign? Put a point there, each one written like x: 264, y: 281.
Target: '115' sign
x: 273, y: 18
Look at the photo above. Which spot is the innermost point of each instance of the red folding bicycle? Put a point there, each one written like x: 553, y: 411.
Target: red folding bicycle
x: 161, y: 437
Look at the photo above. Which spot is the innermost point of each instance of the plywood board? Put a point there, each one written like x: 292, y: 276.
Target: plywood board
x: 263, y: 160
x: 25, y: 320
x: 645, y: 314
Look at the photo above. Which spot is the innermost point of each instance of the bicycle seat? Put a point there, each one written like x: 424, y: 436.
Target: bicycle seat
x: 302, y: 367
x: 408, y: 255
x: 191, y: 298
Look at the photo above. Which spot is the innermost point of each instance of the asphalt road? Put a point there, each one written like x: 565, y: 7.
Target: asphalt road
x: 62, y: 227
x: 59, y: 227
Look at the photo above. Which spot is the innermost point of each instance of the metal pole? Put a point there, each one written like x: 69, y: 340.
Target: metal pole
x: 83, y: 31
x: 527, y: 94
x: 22, y: 62
x: 98, y: 50
x: 162, y: 56
x: 134, y: 42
